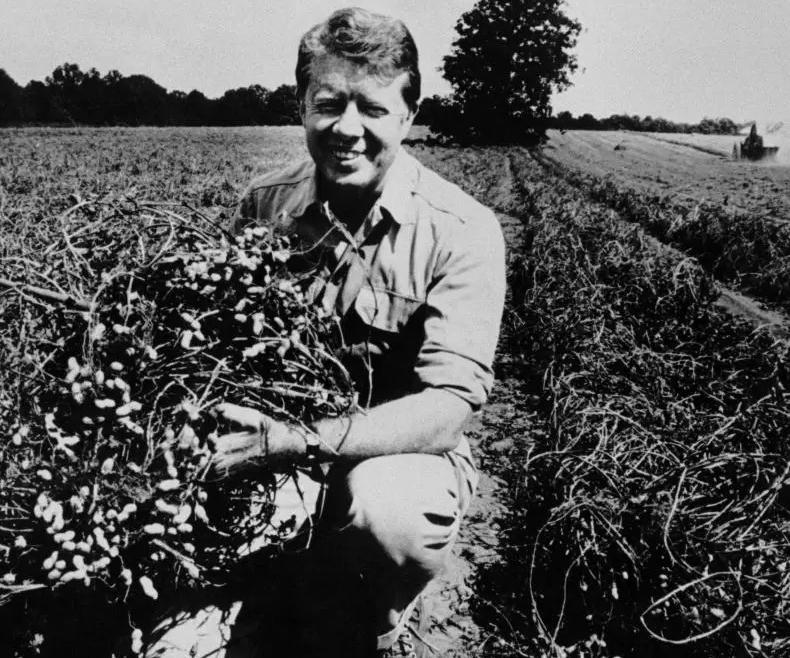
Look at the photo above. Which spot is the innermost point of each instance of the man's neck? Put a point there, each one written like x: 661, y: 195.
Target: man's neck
x: 350, y: 209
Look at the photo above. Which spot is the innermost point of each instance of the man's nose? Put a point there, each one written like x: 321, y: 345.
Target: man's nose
x: 349, y: 123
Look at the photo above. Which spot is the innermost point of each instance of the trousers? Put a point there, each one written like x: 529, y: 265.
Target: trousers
x: 389, y: 521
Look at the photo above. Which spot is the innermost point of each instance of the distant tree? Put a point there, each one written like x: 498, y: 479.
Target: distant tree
x: 198, y: 109
x: 11, y: 99
x: 92, y: 99
x: 113, y: 76
x: 245, y: 106
x: 114, y: 98
x: 510, y: 55
x: 141, y: 101
x: 707, y: 126
x: 38, y: 103
x: 564, y: 121
x: 282, y: 108
x: 64, y: 87
x: 66, y: 76
x: 661, y: 125
x: 588, y: 122
x: 726, y: 126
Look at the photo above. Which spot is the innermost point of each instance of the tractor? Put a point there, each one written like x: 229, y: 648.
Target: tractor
x: 752, y: 148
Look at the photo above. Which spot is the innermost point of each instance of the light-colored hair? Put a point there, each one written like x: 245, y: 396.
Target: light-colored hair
x: 381, y: 43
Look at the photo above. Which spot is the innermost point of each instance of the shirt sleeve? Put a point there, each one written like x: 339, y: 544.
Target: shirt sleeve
x: 464, y: 311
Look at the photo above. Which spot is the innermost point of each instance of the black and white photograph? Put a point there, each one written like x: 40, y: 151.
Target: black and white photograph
x: 394, y: 329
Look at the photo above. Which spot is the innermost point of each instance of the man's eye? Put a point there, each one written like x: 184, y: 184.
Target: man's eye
x: 328, y: 107
x: 374, y: 111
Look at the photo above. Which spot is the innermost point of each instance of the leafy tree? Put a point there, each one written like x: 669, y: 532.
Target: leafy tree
x: 38, y: 106
x: 430, y: 110
x: 92, y: 98
x: 10, y: 99
x: 282, y: 107
x: 588, y: 122
x: 144, y: 101
x: 508, y: 58
x: 64, y: 86
x: 197, y: 109
x: 245, y: 106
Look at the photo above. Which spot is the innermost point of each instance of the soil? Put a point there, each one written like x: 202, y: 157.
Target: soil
x: 455, y: 632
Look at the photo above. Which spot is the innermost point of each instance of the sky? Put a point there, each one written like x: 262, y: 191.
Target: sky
x: 680, y: 59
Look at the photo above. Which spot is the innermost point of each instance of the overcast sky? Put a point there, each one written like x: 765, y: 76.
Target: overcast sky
x: 681, y: 59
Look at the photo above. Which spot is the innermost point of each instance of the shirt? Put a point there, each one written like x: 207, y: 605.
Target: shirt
x: 419, y: 288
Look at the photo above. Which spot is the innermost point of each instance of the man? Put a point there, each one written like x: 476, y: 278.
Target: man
x: 415, y: 270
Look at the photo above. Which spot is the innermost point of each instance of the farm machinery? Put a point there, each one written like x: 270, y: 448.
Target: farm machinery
x: 752, y: 148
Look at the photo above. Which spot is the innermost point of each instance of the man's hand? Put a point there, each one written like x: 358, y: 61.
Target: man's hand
x: 258, y: 439
x: 429, y: 422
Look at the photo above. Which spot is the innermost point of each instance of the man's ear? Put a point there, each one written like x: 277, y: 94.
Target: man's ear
x: 409, y: 120
x: 302, y: 109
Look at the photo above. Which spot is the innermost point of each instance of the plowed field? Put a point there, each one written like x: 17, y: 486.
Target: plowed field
x: 689, y: 168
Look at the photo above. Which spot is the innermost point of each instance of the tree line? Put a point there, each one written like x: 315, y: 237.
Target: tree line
x: 73, y: 97
x: 708, y: 126
x: 441, y: 111
x: 76, y: 97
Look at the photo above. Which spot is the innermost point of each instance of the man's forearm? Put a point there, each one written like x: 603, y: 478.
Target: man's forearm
x: 426, y: 422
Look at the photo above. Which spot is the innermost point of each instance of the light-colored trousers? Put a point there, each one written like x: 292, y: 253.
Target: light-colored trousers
x: 391, y: 519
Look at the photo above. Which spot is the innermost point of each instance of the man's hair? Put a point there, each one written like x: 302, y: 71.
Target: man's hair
x: 381, y: 43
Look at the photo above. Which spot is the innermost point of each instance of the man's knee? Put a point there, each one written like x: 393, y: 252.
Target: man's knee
x: 406, y: 506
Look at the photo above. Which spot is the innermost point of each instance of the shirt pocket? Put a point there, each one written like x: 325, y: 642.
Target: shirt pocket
x: 385, y: 310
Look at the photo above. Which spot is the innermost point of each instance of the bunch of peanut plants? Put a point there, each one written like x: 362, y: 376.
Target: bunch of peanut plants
x: 118, y: 341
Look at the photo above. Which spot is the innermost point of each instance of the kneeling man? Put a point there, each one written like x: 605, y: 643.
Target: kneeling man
x: 414, y: 268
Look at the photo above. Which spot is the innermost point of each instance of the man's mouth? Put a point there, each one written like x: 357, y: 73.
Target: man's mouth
x: 345, y: 155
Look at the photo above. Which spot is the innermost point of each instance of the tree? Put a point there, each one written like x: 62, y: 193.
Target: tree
x: 508, y: 58
x: 64, y: 88
x: 282, y: 108
x: 197, y: 109
x: 143, y: 101
x: 245, y: 106
x: 10, y: 99
x: 38, y: 103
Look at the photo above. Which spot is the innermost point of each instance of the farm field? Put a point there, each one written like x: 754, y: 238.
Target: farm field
x: 716, y: 144
x: 730, y: 215
x: 634, y: 499
x: 206, y: 167
x: 674, y: 165
x: 722, y: 144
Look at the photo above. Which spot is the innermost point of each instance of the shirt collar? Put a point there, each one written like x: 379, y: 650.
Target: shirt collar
x: 399, y: 186
x: 396, y: 197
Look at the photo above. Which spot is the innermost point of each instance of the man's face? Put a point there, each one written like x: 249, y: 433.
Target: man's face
x: 354, y: 123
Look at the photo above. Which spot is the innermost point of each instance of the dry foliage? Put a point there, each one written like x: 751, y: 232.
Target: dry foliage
x: 650, y: 510
x: 118, y: 338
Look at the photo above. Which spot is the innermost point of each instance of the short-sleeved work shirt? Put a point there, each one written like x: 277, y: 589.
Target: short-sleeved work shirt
x: 422, y: 305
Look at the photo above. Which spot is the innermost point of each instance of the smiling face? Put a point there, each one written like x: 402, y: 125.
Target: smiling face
x: 354, y: 123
